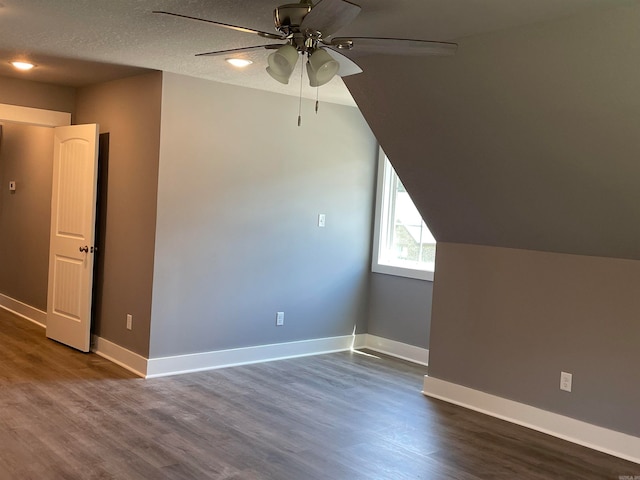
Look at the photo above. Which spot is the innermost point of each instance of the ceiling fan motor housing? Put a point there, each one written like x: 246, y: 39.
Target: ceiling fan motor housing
x: 289, y: 17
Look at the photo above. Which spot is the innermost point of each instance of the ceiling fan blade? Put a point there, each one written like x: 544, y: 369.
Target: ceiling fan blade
x: 273, y: 36
x: 329, y: 16
x: 271, y: 46
x: 393, y: 46
x: 347, y: 66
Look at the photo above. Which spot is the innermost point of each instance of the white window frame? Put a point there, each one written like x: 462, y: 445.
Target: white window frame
x: 384, y: 183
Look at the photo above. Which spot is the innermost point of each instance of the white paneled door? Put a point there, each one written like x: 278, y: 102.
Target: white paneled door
x: 71, y: 248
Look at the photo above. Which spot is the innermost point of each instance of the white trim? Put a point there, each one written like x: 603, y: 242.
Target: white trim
x: 159, y: 367
x: 379, y: 225
x: 359, y: 341
x: 399, y: 350
x: 597, y: 438
x: 34, y: 116
x: 119, y: 355
x: 414, y: 273
x: 23, y: 310
x: 197, y: 362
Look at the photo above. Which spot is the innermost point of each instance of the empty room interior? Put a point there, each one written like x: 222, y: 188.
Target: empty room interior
x: 399, y: 242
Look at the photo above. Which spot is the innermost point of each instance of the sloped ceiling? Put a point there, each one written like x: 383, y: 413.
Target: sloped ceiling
x: 527, y: 138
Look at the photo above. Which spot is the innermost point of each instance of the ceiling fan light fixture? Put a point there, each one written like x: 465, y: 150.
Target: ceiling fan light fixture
x: 284, y: 79
x: 313, y: 80
x: 283, y: 61
x: 239, y: 62
x: 321, y: 68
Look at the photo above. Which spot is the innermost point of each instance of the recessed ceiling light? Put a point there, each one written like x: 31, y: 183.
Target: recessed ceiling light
x: 239, y: 62
x: 23, y: 65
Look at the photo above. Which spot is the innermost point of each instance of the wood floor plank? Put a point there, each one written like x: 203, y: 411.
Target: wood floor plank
x: 69, y: 415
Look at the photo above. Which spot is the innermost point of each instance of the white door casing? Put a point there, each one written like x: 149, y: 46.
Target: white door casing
x: 71, y: 248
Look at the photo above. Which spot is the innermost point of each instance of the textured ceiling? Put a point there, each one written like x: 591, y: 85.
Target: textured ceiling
x: 118, y: 37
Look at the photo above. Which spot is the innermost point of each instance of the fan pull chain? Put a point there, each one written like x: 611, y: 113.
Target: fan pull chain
x: 317, y: 97
x: 300, y: 99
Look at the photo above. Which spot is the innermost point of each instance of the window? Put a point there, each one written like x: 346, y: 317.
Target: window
x: 402, y: 244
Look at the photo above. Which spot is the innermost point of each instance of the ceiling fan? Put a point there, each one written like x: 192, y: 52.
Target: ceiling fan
x: 307, y: 29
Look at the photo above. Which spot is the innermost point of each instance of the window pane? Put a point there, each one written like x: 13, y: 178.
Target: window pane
x: 405, y: 240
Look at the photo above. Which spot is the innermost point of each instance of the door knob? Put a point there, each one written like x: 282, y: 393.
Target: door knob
x: 84, y: 249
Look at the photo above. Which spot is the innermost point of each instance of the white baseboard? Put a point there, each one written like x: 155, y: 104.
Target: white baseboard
x: 597, y: 438
x: 159, y: 367
x: 196, y: 362
x: 119, y: 355
x: 23, y: 310
x: 359, y: 341
x: 400, y: 350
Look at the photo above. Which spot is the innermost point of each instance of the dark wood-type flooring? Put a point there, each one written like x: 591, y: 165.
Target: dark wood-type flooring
x: 68, y: 415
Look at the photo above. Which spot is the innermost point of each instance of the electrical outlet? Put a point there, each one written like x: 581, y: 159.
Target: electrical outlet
x: 279, y: 319
x: 129, y: 321
x: 565, y: 381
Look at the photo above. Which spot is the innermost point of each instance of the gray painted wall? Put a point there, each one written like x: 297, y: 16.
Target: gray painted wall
x: 25, y: 215
x: 400, y: 309
x: 527, y: 138
x: 26, y: 156
x: 129, y: 110
x: 507, y: 321
x: 240, y: 189
x: 24, y: 93
x: 335, y: 181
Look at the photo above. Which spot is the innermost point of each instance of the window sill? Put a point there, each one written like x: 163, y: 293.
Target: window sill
x: 403, y: 272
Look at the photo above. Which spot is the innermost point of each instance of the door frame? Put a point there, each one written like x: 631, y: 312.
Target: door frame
x: 34, y: 116
x: 42, y: 118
